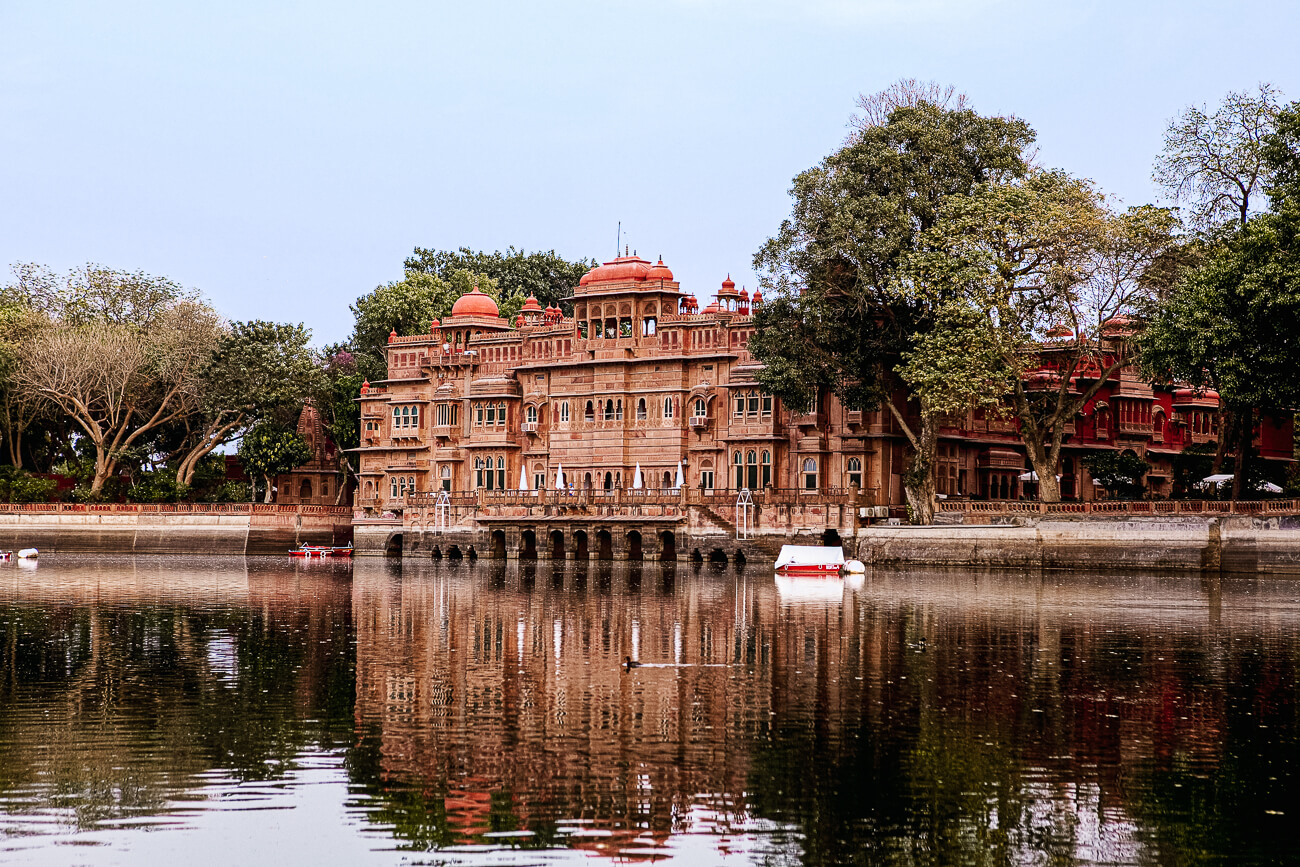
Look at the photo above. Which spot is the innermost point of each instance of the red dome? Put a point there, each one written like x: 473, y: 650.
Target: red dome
x: 1059, y: 332
x: 728, y: 285
x: 532, y: 305
x: 758, y: 297
x: 475, y: 303
x: 1190, y: 395
x: 659, y: 271
x: 744, y: 294
x: 622, y: 268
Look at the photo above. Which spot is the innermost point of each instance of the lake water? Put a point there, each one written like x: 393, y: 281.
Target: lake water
x: 164, y: 711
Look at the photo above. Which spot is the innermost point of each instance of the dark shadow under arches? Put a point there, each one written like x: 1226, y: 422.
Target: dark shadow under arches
x: 634, y: 545
x: 528, y: 545
x: 667, y: 545
x: 499, y: 544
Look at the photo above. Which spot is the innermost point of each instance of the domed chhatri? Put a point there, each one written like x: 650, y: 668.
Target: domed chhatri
x: 659, y: 272
x: 532, y: 305
x: 623, y: 268
x: 475, y: 303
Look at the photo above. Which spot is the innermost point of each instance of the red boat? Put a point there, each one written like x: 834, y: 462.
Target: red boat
x: 810, y: 560
x: 321, y: 551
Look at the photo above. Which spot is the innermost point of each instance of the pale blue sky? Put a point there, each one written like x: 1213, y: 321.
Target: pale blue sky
x: 284, y: 158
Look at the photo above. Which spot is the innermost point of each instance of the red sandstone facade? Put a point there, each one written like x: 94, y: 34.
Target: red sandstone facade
x: 640, y: 376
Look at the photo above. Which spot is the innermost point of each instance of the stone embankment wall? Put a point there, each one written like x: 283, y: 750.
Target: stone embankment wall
x: 1233, y: 544
x: 236, y: 528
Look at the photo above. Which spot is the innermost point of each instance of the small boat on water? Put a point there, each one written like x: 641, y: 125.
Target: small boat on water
x: 809, y: 560
x: 321, y: 551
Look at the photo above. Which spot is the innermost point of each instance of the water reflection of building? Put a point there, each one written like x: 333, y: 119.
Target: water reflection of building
x: 1019, y: 711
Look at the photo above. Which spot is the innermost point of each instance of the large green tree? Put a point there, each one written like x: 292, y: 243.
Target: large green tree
x: 1023, y: 257
x: 257, y: 371
x: 268, y: 449
x: 119, y: 355
x: 832, y: 321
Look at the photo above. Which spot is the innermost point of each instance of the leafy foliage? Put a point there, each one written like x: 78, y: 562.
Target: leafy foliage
x: 1120, y: 473
x: 267, y: 450
x: 516, y: 274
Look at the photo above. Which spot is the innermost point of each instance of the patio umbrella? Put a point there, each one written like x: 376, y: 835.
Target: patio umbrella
x: 559, y: 477
x: 681, y: 480
x: 637, y: 482
x: 523, y: 477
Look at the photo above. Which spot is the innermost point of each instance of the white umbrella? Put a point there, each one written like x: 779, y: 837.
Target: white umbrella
x: 681, y: 480
x: 637, y: 483
x: 523, y: 477
x: 1270, y: 488
x: 559, y: 477
x: 1032, y: 476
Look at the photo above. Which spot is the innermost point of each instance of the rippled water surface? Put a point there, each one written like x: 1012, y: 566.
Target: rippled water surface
x: 162, y: 711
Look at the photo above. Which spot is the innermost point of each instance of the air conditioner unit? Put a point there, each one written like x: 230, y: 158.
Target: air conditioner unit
x: 530, y: 427
x: 699, y: 421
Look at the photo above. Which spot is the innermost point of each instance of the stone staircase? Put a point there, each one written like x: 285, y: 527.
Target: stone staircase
x: 729, y: 528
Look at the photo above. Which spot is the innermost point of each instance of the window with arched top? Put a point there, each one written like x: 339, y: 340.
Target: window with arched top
x: 397, y: 417
x: 392, y: 488
x: 609, y: 410
x: 618, y: 410
x: 751, y: 469
x: 767, y: 469
x: 478, y: 473
x: 809, y: 467
x: 590, y: 415
x: 446, y: 478
x: 304, y: 490
x: 492, y: 413
x: 609, y: 481
x: 564, y: 412
x: 738, y: 462
x: 532, y: 414
x: 501, y: 413
x: 854, y: 469
x: 501, y: 474
x: 740, y: 404
x: 668, y: 407
x: 701, y: 407
x: 752, y: 408
x: 640, y: 409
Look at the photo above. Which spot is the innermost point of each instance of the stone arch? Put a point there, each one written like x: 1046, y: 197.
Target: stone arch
x: 831, y: 538
x: 580, y: 549
x: 634, y: 551
x: 557, y: 544
x: 528, y: 545
x: 454, y: 553
x: 718, y: 556
x: 393, y: 547
x: 499, y: 544
x: 304, y: 490
x: 435, y: 553
x: 604, y: 545
x: 667, y: 545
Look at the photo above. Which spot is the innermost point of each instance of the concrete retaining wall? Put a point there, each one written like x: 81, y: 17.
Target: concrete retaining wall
x: 154, y: 533
x: 1238, y: 544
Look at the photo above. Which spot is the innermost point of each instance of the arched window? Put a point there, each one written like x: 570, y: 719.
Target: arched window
x: 618, y: 479
x: 609, y: 410
x: 397, y: 417
x: 304, y: 490
x: 706, y: 475
x: 738, y: 461
x: 564, y: 412
x: 618, y: 411
x: 446, y: 478
x: 539, y: 477
x: 492, y: 413
x: 478, y: 472
x: 478, y: 413
x: 753, y: 404
x: 751, y: 469
x: 532, y: 414
x: 701, y: 408
x: 668, y: 407
x: 668, y: 480
x: 415, y: 416
x: 370, y: 489
x: 854, y: 469
x: 810, y: 474
x: 767, y: 469
x: 640, y: 409
x: 501, y: 474
x: 501, y: 413
x: 392, y: 488
x: 609, y: 481
x: 590, y: 414
x: 740, y: 403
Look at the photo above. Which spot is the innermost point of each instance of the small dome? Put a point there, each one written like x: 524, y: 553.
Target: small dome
x: 365, y: 386
x: 728, y: 285
x: 1060, y: 332
x: 1192, y: 397
x: 519, y: 321
x: 392, y: 335
x: 475, y: 303
x: 758, y: 297
x: 743, y: 293
x: 1117, y: 326
x: 433, y: 326
x: 659, y: 271
x: 532, y: 305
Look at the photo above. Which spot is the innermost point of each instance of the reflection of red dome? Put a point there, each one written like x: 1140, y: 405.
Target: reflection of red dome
x: 622, y: 268
x: 659, y: 271
x: 475, y: 303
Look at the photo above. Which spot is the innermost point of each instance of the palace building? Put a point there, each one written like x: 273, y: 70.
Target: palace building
x: 643, y: 376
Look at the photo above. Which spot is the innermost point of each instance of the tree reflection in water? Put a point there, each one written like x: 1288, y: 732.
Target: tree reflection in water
x: 918, y: 718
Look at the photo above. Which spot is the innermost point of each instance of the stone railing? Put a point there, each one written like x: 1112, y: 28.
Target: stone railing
x: 174, y: 509
x: 1123, y: 507
x: 718, y: 497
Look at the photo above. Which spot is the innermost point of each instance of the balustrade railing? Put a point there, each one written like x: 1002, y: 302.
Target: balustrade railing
x: 175, y: 508
x: 1123, y: 507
